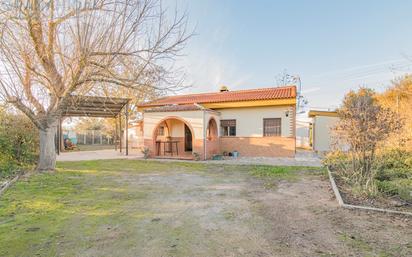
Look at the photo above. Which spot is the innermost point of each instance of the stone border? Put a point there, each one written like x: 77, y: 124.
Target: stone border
x: 7, y: 184
x: 359, y: 207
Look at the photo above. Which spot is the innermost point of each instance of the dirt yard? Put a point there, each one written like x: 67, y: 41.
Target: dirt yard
x: 138, y: 208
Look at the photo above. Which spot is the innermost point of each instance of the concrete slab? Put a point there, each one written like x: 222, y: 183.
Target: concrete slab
x: 96, y: 155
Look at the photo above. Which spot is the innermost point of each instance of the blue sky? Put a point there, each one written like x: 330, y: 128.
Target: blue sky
x: 333, y: 46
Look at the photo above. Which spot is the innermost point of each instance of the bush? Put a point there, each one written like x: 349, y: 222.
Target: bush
x: 394, y: 173
x: 392, y: 169
x: 196, y: 156
x: 18, y: 143
x: 146, y: 152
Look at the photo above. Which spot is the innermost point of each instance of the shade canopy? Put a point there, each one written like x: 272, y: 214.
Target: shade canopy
x: 93, y: 106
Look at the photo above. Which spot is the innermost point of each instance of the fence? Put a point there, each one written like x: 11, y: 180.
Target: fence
x: 89, y: 137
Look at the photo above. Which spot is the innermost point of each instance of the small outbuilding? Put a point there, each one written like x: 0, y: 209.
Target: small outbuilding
x: 320, y: 134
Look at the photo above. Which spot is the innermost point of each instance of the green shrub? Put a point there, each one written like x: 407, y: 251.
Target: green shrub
x: 392, y: 169
x: 18, y: 143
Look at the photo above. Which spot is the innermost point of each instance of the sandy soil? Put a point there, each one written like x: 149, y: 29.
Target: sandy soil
x: 230, y: 213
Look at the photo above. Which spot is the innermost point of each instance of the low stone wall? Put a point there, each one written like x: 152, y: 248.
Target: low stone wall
x: 259, y: 146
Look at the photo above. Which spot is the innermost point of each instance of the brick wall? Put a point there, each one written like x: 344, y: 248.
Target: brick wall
x: 259, y: 146
x: 198, y: 147
x: 149, y: 144
x: 212, y: 147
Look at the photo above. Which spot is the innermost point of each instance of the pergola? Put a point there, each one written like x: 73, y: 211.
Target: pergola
x: 99, y: 107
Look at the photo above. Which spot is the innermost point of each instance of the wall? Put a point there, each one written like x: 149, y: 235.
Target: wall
x: 212, y: 144
x: 249, y: 121
x: 249, y: 140
x: 259, y: 146
x: 249, y: 128
x: 135, y: 137
x: 302, y: 133
x: 322, y: 136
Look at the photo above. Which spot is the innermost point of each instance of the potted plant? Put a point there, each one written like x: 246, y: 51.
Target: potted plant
x: 196, y: 156
x: 235, y: 154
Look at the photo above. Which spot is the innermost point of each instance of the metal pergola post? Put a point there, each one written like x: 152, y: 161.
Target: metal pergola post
x: 126, y: 112
x: 61, y: 139
x: 57, y: 138
x: 120, y: 129
x: 115, y: 133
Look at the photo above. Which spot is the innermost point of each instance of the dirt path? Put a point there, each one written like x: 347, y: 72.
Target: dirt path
x: 159, y: 209
x: 230, y: 213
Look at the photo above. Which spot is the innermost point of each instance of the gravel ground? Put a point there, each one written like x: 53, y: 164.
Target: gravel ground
x: 303, y: 158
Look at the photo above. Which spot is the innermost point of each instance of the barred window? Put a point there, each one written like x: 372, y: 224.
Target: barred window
x: 272, y: 127
x: 228, y: 127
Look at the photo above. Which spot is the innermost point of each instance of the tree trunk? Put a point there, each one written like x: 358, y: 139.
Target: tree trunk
x: 47, y: 158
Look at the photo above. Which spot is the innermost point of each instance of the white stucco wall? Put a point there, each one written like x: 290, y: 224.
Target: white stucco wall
x: 322, y: 136
x: 302, y: 133
x: 249, y: 121
x: 177, y: 128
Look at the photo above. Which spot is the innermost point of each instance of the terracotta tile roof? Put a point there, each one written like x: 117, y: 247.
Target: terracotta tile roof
x: 228, y: 96
x: 176, y: 108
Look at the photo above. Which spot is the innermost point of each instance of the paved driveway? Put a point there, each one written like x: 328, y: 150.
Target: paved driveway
x: 96, y: 155
x: 303, y: 158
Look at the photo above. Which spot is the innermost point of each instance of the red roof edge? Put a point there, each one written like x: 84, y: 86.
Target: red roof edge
x: 271, y: 93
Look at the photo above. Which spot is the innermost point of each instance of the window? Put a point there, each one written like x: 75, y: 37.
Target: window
x: 228, y: 127
x: 161, y: 131
x: 272, y: 127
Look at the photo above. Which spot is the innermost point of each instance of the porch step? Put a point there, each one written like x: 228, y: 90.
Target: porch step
x: 174, y: 157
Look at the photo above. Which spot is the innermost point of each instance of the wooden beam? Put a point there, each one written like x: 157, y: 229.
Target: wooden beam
x: 102, y: 115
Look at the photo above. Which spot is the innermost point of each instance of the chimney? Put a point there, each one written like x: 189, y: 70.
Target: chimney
x: 224, y: 89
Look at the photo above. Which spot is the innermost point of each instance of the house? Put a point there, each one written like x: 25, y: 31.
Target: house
x: 320, y: 129
x: 257, y: 122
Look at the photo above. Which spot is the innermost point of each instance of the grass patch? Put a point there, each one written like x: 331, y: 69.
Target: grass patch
x: 356, y: 242
x: 141, y: 166
x: 84, y: 204
x: 273, y: 174
x: 47, y: 213
x: 284, y: 172
x: 106, y: 204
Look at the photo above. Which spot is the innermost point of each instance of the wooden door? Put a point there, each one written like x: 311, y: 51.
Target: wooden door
x: 188, y: 139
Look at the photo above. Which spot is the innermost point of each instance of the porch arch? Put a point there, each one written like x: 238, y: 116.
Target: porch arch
x: 164, y: 121
x: 212, y: 132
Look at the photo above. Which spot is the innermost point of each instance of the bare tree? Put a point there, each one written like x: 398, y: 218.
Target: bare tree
x: 286, y: 79
x: 53, y: 49
x: 363, y: 125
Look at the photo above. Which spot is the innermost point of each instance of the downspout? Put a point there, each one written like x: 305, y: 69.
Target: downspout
x: 204, y: 135
x: 204, y: 129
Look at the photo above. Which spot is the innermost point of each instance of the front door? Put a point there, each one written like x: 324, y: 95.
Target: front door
x: 188, y: 139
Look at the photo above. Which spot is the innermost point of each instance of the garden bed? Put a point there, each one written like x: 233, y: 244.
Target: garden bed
x: 383, y: 201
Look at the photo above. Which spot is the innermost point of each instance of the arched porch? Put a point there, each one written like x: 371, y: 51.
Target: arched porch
x: 173, y: 137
